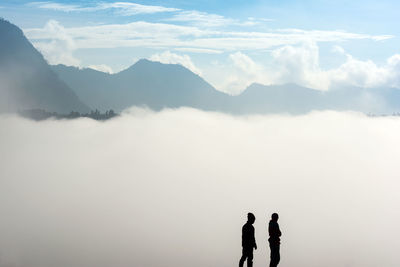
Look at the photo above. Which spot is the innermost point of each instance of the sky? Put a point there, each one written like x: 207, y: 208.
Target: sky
x: 172, y: 188
x: 231, y: 44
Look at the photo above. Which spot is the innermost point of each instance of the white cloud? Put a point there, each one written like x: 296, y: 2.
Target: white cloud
x: 102, y: 67
x: 393, y: 64
x: 173, y: 189
x: 243, y: 62
x: 60, y: 48
x: 332, y: 36
x: 244, y: 72
x: 163, y: 35
x: 121, y: 8
x: 260, y: 19
x: 202, y: 19
x: 57, y: 6
x: 299, y: 65
x: 129, y: 9
x: 366, y: 73
x: 199, y: 50
x: 289, y: 64
x: 338, y: 49
x: 171, y: 58
x: 136, y: 34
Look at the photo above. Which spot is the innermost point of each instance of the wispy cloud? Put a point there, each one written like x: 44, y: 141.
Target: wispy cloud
x: 129, y: 9
x: 192, y: 17
x: 204, y: 19
x: 121, y: 8
x: 170, y: 36
x: 59, y: 6
x: 198, y: 50
x: 260, y: 19
x: 171, y: 58
x: 201, y: 18
x: 335, y: 35
x: 102, y: 68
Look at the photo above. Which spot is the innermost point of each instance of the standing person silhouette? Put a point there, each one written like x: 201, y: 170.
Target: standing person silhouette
x: 248, y: 241
x: 274, y: 240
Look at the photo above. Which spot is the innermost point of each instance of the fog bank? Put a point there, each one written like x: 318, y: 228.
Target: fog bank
x: 172, y: 188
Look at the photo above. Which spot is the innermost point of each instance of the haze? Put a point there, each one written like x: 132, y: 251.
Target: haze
x: 172, y: 188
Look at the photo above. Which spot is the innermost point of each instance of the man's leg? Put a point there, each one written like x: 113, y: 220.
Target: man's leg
x: 243, y: 258
x: 250, y: 258
x: 275, y: 255
x: 278, y: 255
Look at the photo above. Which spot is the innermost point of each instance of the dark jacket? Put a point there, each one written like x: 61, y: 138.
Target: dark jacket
x: 248, y: 239
x: 274, y: 232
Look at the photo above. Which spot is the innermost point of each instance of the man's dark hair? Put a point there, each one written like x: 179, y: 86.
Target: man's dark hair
x: 274, y: 216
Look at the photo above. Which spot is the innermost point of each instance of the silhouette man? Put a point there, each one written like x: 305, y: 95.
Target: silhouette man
x: 274, y: 240
x: 248, y: 241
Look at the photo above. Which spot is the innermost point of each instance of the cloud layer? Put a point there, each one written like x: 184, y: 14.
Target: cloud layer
x: 173, y: 189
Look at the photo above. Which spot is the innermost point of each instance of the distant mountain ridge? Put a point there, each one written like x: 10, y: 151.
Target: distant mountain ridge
x: 158, y: 85
x: 26, y: 80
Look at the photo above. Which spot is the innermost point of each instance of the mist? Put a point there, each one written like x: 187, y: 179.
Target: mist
x: 173, y: 188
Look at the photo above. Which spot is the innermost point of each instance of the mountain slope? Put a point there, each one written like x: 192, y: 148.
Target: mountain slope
x: 26, y: 80
x: 289, y: 98
x: 158, y: 84
x: 93, y: 87
x: 146, y: 83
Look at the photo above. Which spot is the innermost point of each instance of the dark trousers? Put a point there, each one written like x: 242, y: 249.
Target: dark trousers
x: 275, y: 255
x: 247, y: 254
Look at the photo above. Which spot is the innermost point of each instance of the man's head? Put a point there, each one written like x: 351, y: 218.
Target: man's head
x: 250, y: 217
x: 274, y: 217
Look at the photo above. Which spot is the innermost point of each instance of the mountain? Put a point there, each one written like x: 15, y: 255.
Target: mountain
x: 295, y: 99
x: 93, y: 87
x: 287, y: 98
x: 27, y: 81
x: 146, y: 83
x: 158, y: 85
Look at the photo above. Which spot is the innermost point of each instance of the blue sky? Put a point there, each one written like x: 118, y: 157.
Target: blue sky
x: 319, y: 44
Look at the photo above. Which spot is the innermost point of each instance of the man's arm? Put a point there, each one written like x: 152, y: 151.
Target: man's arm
x: 254, y: 239
x: 273, y: 230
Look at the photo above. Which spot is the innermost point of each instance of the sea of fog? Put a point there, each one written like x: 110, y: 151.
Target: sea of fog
x: 172, y: 188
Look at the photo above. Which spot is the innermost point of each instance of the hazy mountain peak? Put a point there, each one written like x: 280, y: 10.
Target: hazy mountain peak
x: 145, y: 83
x: 156, y: 66
x: 26, y: 79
